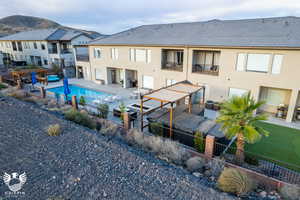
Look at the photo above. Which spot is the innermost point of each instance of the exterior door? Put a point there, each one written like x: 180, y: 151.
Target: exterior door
x: 113, y: 76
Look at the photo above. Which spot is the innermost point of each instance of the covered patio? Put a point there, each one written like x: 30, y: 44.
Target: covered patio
x: 178, y: 95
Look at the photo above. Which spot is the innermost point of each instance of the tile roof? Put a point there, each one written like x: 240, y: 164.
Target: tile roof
x: 261, y: 32
x: 44, y: 34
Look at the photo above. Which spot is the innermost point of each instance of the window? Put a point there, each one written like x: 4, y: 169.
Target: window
x: 148, y: 82
x: 35, y: 45
x: 240, y: 63
x: 114, y: 53
x: 98, y: 74
x: 45, y: 62
x: 276, y: 65
x: 43, y: 47
x: 140, y: 55
x: 258, y: 62
x: 97, y: 53
x: 236, y: 92
x: 179, y: 57
x: 8, y: 45
x: 14, y: 46
x: 170, y: 82
x: 20, y: 46
x: 273, y: 96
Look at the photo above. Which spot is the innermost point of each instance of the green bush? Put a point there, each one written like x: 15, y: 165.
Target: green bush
x: 156, y: 128
x: 199, y: 142
x: 234, y: 181
x: 82, y: 101
x: 2, y: 86
x: 103, y: 110
x: 81, y: 118
x: 251, y: 160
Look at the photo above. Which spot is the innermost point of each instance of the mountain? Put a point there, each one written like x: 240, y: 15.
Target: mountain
x: 17, y: 23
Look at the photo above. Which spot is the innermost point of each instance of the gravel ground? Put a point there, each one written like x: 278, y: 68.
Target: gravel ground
x: 81, y: 164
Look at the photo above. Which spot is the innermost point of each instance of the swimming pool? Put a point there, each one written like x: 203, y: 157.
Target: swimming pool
x: 88, y: 94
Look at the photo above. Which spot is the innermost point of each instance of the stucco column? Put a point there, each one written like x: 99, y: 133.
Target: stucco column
x: 124, y: 78
x: 255, y: 94
x: 292, y: 105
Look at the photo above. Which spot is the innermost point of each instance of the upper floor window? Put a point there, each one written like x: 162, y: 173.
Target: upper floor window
x: 259, y: 62
x: 97, y: 53
x: 276, y: 64
x: 43, y: 47
x: 114, y: 53
x: 35, y: 45
x: 140, y: 55
x: 14, y: 46
x: 20, y: 48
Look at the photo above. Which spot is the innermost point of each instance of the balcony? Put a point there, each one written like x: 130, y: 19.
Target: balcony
x: 84, y: 58
x: 206, y: 69
x: 172, y: 59
x: 173, y: 66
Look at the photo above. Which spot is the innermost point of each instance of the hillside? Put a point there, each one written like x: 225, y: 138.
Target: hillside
x: 16, y: 23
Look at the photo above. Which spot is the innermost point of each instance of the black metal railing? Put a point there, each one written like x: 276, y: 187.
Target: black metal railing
x: 206, y: 69
x: 82, y: 58
x: 172, y: 66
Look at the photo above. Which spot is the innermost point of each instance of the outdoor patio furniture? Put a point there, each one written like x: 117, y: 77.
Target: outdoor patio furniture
x: 281, y: 111
x: 216, y: 106
x: 209, y: 104
x: 132, y: 114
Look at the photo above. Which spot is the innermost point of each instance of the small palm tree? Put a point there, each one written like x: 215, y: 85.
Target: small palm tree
x: 238, y: 119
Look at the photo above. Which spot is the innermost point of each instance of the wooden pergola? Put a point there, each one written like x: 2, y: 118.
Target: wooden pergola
x: 18, y: 74
x: 170, y: 95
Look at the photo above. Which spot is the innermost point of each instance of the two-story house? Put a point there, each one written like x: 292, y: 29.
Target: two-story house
x: 42, y: 47
x: 229, y: 57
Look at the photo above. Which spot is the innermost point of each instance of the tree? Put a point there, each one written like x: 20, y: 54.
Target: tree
x: 238, y: 119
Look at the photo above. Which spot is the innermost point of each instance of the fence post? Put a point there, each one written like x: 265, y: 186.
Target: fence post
x: 19, y: 84
x: 209, y: 146
x: 74, y: 102
x: 126, y: 119
x: 43, y: 92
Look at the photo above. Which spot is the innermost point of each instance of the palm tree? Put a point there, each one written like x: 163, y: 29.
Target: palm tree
x: 238, y: 119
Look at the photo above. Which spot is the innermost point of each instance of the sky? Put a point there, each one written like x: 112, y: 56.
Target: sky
x: 112, y: 16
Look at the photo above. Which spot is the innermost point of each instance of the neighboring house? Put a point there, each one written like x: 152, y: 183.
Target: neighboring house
x: 42, y: 47
x: 229, y: 57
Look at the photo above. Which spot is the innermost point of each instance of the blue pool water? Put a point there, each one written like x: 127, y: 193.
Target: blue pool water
x: 89, y: 95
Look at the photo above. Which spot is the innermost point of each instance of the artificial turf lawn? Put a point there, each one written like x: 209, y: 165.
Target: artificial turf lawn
x: 282, y: 144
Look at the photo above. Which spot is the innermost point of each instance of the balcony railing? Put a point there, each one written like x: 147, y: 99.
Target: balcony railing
x: 52, y: 51
x: 206, y: 69
x: 172, y: 66
x: 65, y: 51
x: 82, y: 58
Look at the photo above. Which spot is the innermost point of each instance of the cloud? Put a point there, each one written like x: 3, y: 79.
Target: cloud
x: 114, y: 16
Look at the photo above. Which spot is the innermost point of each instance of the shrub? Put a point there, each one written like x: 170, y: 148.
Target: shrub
x: 82, y: 101
x: 290, y: 192
x: 156, y: 128
x: 107, y: 127
x: 153, y: 143
x: 172, y: 151
x: 81, y: 118
x: 135, y: 137
x: 234, y: 181
x: 199, y: 142
x: 103, y: 110
x: 19, y: 94
x: 2, y: 86
x: 215, y: 167
x: 54, y: 130
x: 195, y: 164
x: 251, y: 160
